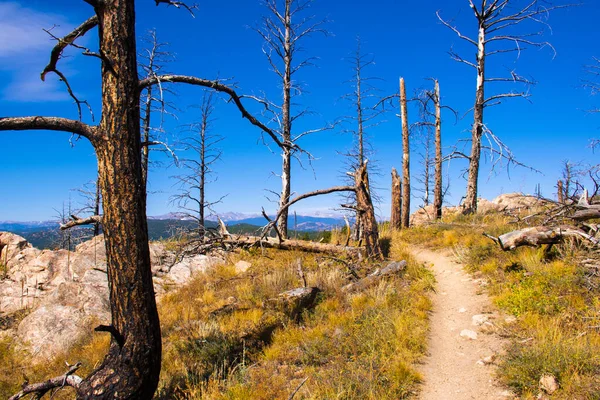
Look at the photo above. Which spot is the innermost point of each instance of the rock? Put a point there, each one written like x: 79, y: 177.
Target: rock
x: 242, y: 266
x: 462, y: 310
x: 469, y: 334
x: 180, y: 273
x: 487, y: 360
x: 479, y: 319
x: 548, y: 383
x: 511, y: 319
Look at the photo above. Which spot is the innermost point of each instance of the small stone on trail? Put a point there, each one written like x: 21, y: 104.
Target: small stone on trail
x: 487, y: 360
x: 479, y: 319
x: 462, y: 310
x: 466, y: 333
x: 548, y: 384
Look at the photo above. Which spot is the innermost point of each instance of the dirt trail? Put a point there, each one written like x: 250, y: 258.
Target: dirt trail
x: 456, y: 367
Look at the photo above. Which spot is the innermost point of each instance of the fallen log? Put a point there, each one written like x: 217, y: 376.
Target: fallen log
x: 294, y: 302
x: 311, y: 247
x: 539, y: 235
x: 584, y: 214
x: 392, y: 268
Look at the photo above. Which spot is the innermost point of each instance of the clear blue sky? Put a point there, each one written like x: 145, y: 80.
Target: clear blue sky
x: 38, y: 170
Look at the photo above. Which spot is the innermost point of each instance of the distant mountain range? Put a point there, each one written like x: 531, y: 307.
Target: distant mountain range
x: 45, y: 234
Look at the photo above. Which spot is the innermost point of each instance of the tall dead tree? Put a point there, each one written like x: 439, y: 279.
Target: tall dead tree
x: 396, y: 211
x: 437, y: 191
x: 153, y: 60
x: 283, y: 31
x: 361, y: 99
x: 131, y: 367
x: 502, y: 28
x: 201, y: 145
x: 405, y: 157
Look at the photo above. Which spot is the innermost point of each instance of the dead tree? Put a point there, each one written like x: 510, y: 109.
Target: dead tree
x: 283, y: 31
x: 202, y: 147
x: 153, y: 61
x: 396, y: 211
x: 361, y: 99
x: 131, y: 367
x: 405, y: 157
x: 437, y: 191
x: 501, y: 29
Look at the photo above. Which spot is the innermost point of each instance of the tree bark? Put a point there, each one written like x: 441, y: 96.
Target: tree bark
x: 470, y: 204
x: 367, y: 213
x: 395, y: 219
x: 560, y: 192
x: 131, y: 369
x: 286, y: 154
x: 405, y: 157
x: 437, y: 191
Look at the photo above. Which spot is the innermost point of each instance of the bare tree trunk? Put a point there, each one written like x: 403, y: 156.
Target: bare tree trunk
x: 132, y: 366
x: 367, y: 213
x: 146, y: 133
x: 560, y: 192
x: 437, y: 191
x: 395, y: 219
x: 405, y: 157
x: 282, y: 224
x: 97, y: 207
x: 470, y: 204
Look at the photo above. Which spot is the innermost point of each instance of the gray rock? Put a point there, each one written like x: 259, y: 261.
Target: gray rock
x: 548, y: 383
x: 242, y: 266
x: 479, y: 319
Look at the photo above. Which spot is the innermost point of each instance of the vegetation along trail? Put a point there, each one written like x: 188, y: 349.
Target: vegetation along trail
x: 462, y: 345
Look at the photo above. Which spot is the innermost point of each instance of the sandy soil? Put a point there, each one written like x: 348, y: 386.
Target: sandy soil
x: 455, y: 367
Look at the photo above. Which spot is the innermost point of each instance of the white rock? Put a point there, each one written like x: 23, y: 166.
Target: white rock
x: 479, y: 319
x: 511, y: 319
x: 469, y: 334
x: 462, y: 310
x: 242, y: 266
x: 180, y: 273
x: 548, y: 383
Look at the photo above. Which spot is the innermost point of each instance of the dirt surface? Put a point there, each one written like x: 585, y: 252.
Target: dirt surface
x: 460, y: 366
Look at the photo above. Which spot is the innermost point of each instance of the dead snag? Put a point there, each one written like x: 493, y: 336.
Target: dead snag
x: 539, y: 235
x: 392, y: 268
x: 437, y: 191
x: 367, y: 213
x: 405, y: 157
x: 395, y: 220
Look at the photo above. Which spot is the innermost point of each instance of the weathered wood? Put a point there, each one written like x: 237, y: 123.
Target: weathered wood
x: 367, y: 213
x: 392, y: 268
x: 395, y: 219
x: 437, y: 191
x: 560, y: 192
x: 540, y: 235
x: 294, y: 302
x: 405, y: 157
x: 40, y: 389
x: 289, y: 244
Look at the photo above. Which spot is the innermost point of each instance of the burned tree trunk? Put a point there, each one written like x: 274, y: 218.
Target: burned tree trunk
x: 437, y: 191
x: 132, y: 365
x: 405, y: 157
x: 367, y: 213
x: 560, y: 192
x: 395, y: 220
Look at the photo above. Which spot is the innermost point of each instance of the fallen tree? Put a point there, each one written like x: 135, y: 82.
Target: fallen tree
x: 539, y: 235
x: 392, y: 268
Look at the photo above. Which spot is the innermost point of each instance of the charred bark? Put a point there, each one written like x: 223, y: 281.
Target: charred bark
x: 396, y: 212
x: 367, y: 213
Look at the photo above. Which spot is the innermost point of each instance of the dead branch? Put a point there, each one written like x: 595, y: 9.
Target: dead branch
x: 40, y: 389
x: 48, y: 123
x: 392, y: 268
x: 76, y: 221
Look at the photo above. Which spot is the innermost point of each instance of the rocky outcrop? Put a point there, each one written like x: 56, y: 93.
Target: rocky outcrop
x: 66, y: 292
x: 503, y: 203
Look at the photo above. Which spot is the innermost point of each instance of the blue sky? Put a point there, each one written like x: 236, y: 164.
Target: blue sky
x: 39, y: 170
